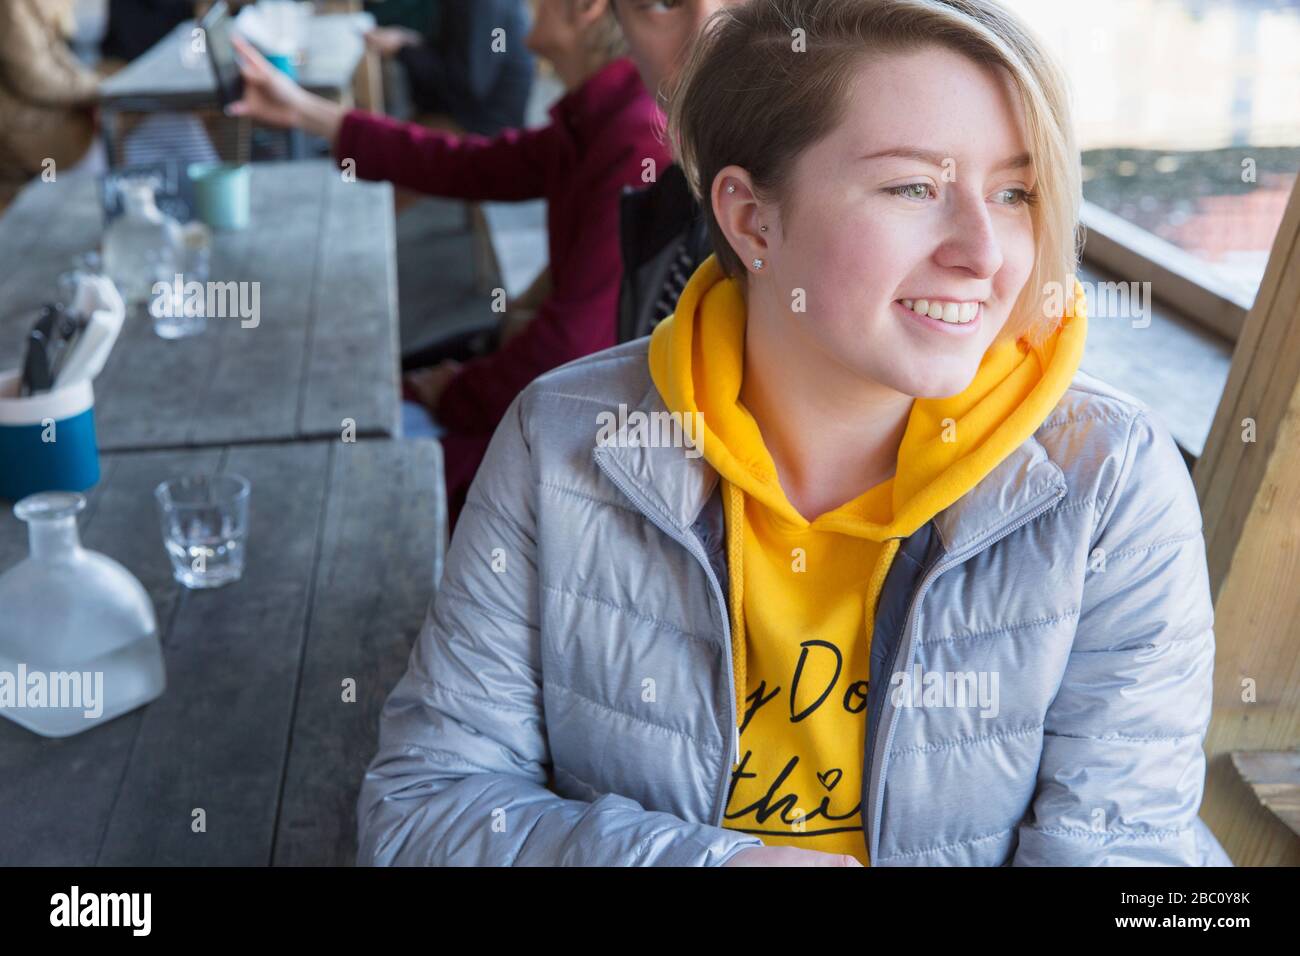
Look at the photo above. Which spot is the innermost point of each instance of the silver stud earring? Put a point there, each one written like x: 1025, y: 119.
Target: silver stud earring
x: 758, y: 263
x: 731, y: 187
x: 762, y: 228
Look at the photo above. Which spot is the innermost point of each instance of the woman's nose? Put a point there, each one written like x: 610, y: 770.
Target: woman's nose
x: 972, y: 242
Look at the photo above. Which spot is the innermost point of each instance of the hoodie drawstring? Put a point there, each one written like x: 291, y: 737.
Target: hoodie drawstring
x: 736, y: 590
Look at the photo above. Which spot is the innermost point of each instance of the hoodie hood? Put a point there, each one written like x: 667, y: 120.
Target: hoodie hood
x: 696, y: 358
x: 697, y: 362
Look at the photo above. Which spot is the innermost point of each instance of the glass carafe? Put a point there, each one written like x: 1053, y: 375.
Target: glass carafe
x: 142, y: 246
x: 78, y: 637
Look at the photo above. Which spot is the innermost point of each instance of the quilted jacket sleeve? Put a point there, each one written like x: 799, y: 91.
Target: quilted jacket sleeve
x: 1122, y: 769
x: 461, y: 771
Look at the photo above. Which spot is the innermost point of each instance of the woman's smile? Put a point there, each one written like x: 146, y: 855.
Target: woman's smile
x: 957, y: 318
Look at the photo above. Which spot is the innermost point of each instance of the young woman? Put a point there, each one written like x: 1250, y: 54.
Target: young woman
x: 848, y: 563
x: 605, y: 135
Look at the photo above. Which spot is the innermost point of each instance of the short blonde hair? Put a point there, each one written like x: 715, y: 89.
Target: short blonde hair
x: 745, y: 98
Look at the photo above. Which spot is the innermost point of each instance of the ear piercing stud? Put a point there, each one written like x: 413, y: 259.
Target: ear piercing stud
x: 758, y: 263
x: 731, y: 187
x: 762, y: 228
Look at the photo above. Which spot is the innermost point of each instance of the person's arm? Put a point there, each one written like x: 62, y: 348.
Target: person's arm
x: 510, y: 166
x: 37, y: 64
x: 1122, y: 768
x: 460, y: 774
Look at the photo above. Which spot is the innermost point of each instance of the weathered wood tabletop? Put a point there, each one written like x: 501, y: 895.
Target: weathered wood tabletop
x: 171, y: 75
x: 344, y: 543
x: 324, y: 347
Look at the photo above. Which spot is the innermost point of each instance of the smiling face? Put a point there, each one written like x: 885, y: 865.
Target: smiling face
x: 659, y: 34
x: 918, y: 194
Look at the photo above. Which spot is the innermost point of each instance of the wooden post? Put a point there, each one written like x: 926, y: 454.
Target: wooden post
x: 1248, y: 482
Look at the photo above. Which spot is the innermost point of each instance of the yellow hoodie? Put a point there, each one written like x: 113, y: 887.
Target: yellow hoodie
x: 803, y: 593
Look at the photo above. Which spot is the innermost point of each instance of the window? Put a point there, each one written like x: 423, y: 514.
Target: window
x: 1188, y: 118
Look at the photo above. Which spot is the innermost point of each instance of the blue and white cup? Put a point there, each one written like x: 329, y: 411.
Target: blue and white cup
x: 47, y: 440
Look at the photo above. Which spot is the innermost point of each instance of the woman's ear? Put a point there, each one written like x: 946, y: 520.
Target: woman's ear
x: 741, y: 216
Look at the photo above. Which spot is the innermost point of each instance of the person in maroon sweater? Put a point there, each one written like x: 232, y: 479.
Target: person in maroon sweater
x: 605, y: 135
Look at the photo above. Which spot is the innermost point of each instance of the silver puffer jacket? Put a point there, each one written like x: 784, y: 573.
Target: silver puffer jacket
x: 523, y: 733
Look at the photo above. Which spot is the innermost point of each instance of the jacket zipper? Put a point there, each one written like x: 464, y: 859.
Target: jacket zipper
x: 692, y: 545
x: 877, y: 762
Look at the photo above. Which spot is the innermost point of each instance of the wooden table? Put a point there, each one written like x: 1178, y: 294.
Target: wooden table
x: 345, y: 542
x: 325, y: 348
x: 168, y: 77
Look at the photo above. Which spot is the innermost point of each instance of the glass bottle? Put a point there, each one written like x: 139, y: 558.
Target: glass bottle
x: 142, y: 246
x: 75, y: 626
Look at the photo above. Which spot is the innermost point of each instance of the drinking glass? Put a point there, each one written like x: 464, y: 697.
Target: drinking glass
x: 204, y: 527
x: 181, y: 309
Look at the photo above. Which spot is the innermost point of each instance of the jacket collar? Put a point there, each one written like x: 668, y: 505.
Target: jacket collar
x: 674, y: 488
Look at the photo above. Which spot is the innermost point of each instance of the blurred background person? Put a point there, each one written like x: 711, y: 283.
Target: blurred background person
x: 663, y: 233
x: 604, y: 136
x: 47, y: 96
x: 414, y: 14
x: 453, y: 70
x: 136, y: 25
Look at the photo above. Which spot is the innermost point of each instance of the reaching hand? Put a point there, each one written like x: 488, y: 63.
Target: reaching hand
x: 273, y: 98
x: 270, y: 95
x: 789, y: 856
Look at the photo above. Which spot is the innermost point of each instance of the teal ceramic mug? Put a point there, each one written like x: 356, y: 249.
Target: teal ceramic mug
x: 221, y: 194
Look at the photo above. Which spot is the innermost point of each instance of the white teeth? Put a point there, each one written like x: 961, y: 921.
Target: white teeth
x: 954, y: 313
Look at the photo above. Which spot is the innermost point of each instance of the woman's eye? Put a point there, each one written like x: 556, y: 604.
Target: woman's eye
x: 910, y: 191
x: 1020, y: 196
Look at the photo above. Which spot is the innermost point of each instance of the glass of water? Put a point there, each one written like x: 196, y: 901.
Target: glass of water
x: 180, y: 310
x: 204, y: 526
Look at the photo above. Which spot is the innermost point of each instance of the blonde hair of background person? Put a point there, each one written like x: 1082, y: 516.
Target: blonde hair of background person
x: 659, y: 37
